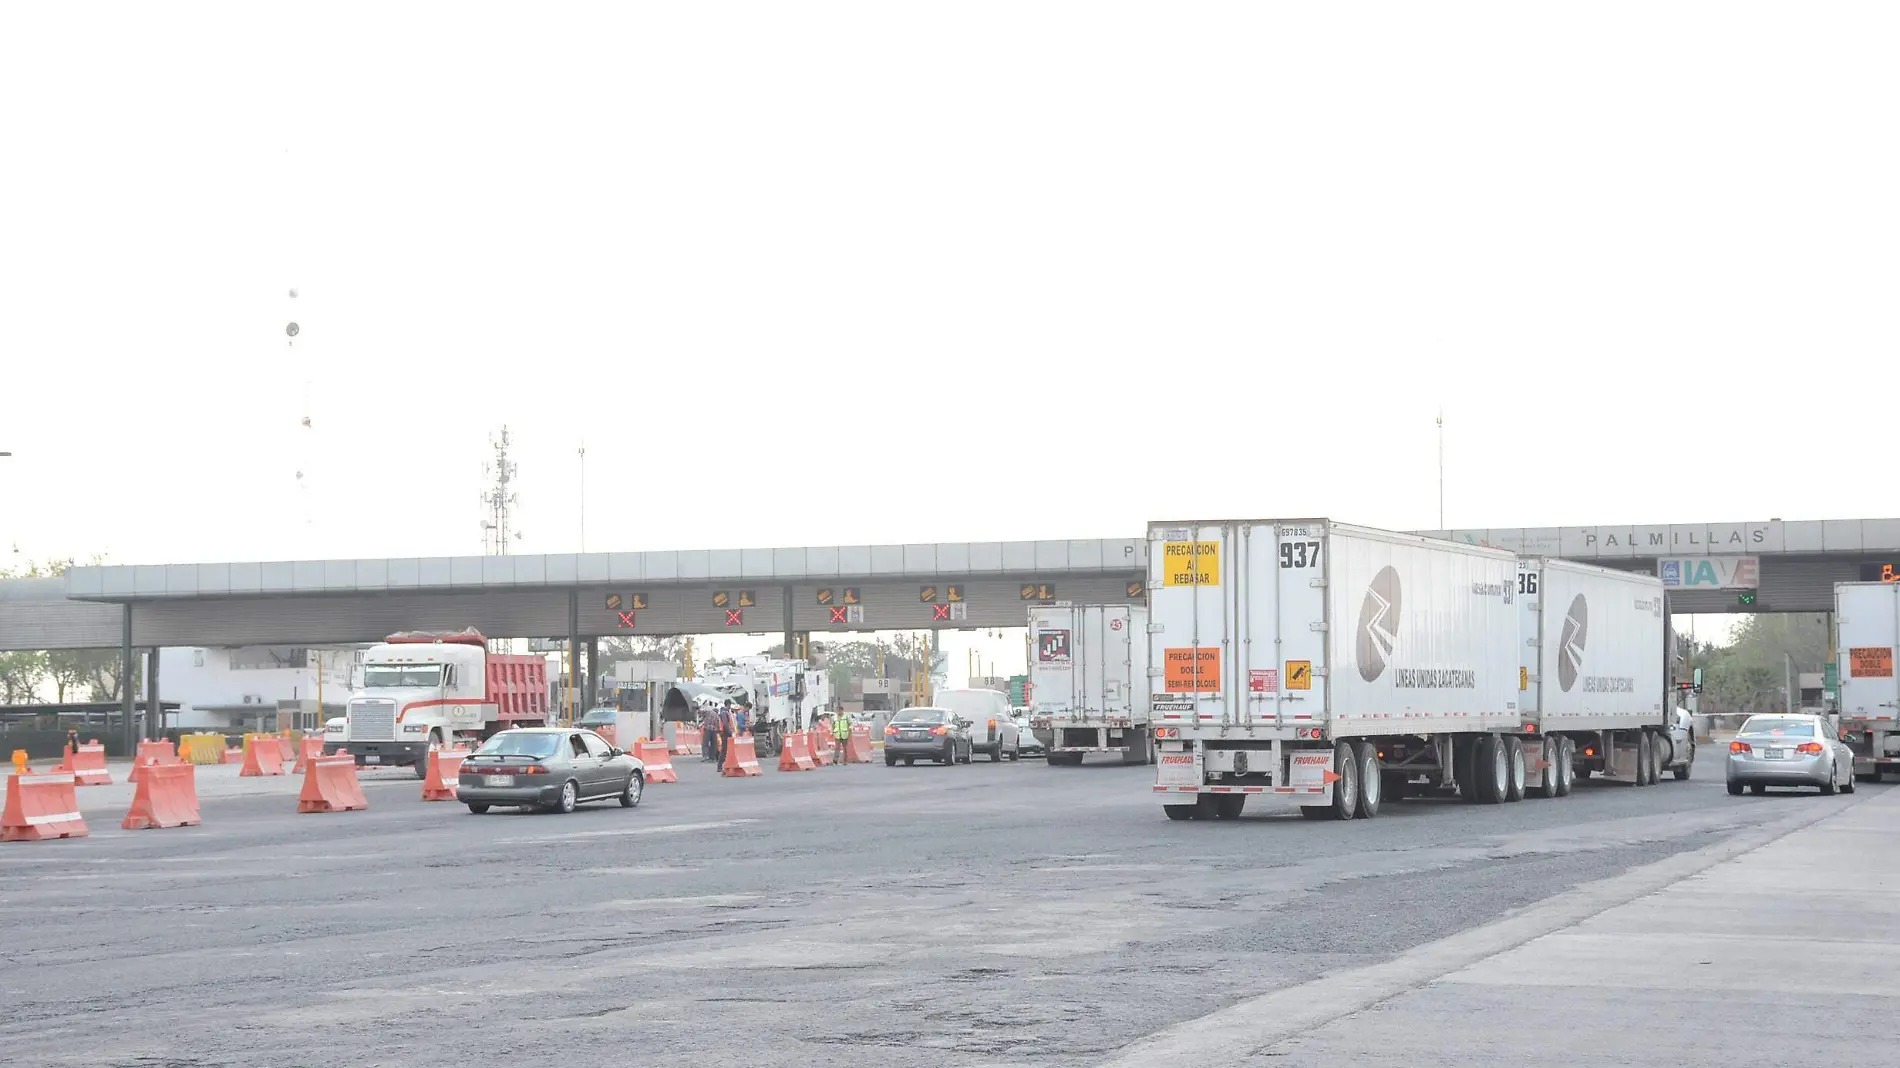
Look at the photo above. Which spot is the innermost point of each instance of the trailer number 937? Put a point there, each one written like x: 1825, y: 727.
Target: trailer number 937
x: 1299, y: 554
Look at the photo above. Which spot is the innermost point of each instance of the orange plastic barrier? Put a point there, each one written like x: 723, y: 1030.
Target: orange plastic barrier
x: 742, y: 759
x: 307, y: 750
x: 859, y: 749
x: 161, y: 752
x: 87, y: 764
x: 233, y: 755
x: 262, y: 758
x: 41, y: 807
x: 820, y: 737
x: 796, y: 756
x: 659, y: 762
x: 167, y: 796
x: 685, y: 747
x: 329, y: 785
x: 443, y: 774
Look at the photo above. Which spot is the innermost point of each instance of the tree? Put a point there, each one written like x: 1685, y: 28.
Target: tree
x: 21, y: 675
x: 1749, y: 674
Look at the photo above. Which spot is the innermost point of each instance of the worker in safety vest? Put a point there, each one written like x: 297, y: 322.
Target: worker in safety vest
x: 841, y: 730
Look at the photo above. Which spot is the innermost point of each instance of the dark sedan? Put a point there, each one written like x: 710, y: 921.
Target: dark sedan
x: 550, y: 768
x: 926, y: 734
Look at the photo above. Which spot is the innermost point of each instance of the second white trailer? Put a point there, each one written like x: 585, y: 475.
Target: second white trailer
x: 1088, y: 673
x: 1595, y: 678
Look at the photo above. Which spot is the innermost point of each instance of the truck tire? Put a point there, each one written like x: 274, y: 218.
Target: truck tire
x: 1346, y: 788
x: 1371, y: 780
x: 1566, y: 766
x: 1645, y: 755
x: 1179, y: 812
x: 1490, y: 769
x: 1462, y: 773
x: 1228, y: 806
x: 1550, y: 783
x: 1514, y: 758
x: 1658, y: 747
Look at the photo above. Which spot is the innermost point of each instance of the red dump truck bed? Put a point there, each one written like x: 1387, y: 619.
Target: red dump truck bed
x: 518, y: 687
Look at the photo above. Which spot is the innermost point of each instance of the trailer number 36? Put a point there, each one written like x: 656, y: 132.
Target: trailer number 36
x: 1299, y: 554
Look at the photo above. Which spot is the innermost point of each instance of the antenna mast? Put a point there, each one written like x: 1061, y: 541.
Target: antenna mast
x: 498, y: 500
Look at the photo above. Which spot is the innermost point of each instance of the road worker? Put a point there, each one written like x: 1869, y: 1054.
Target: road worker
x: 841, y: 730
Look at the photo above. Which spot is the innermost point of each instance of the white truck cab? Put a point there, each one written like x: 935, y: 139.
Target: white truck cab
x: 426, y: 691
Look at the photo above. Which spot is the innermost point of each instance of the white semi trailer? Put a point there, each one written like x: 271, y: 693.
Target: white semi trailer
x: 1867, y: 631
x: 1088, y: 672
x: 1337, y: 666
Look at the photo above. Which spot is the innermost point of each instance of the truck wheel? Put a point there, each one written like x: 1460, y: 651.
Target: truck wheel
x: 1346, y: 788
x: 1371, y: 780
x: 1462, y: 773
x: 1179, y: 812
x: 1491, y: 769
x: 1644, y: 755
x: 1550, y: 783
x: 1566, y: 767
x: 1514, y: 759
x: 1659, y: 747
x: 1228, y: 806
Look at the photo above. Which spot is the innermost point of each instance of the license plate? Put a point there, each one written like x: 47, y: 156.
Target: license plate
x: 501, y: 780
x: 1773, y: 754
x: 914, y: 736
x: 372, y: 759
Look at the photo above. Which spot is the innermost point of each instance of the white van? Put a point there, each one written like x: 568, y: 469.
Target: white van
x: 992, y: 729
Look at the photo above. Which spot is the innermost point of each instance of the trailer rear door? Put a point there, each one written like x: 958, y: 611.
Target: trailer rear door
x: 1868, y: 623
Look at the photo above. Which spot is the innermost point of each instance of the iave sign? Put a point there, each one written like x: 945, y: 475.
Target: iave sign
x: 1710, y: 572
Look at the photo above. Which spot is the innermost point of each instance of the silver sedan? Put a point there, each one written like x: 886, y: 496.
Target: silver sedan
x: 550, y: 768
x: 1783, y: 750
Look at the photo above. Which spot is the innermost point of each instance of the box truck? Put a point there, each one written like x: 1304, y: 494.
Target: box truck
x: 1088, y: 670
x: 1867, y: 629
x: 1338, y: 666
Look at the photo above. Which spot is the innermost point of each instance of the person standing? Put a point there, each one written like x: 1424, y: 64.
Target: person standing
x: 841, y: 730
x: 709, y: 727
x: 725, y: 731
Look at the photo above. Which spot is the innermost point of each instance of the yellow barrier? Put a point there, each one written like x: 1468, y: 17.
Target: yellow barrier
x: 201, y: 748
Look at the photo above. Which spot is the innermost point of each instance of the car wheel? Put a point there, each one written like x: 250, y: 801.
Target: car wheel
x: 1179, y: 812
x: 890, y: 761
x: 570, y: 797
x: 478, y: 807
x: 1757, y: 789
x: 910, y: 762
x: 636, y: 784
x: 1682, y: 772
x: 1830, y: 787
x: 1848, y: 786
x: 996, y: 754
x: 1016, y: 754
x: 1734, y: 789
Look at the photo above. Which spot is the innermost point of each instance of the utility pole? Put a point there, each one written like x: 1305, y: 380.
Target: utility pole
x: 1441, y: 468
x: 583, y: 451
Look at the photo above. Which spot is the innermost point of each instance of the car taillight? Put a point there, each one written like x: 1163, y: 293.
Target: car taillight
x: 890, y: 730
x: 940, y: 730
x: 1740, y: 747
x: 1808, y: 747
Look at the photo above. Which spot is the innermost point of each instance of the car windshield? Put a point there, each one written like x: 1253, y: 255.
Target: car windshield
x: 1789, y: 728
x: 523, y: 745
x: 919, y: 716
x: 383, y: 676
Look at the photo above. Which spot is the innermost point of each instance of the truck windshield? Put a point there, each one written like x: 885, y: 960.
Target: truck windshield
x: 382, y: 676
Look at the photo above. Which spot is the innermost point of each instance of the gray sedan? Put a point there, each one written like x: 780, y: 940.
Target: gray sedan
x: 550, y: 768
x: 1784, y: 750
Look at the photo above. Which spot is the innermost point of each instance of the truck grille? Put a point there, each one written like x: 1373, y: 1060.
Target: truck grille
x: 373, y: 721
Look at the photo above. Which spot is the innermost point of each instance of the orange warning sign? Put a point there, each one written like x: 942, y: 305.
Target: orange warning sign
x: 1872, y: 662
x: 1191, y: 670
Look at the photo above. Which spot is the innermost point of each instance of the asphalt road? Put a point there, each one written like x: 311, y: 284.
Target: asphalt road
x: 982, y: 915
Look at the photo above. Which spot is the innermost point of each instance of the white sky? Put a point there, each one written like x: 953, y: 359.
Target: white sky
x: 905, y: 271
